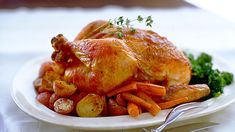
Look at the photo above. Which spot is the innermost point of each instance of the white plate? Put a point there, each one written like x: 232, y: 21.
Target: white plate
x: 24, y: 95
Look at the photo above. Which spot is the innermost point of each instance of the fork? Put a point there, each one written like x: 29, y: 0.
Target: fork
x: 175, y: 113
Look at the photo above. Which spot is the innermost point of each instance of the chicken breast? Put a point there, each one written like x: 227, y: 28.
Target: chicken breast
x: 99, y: 60
x: 159, y: 61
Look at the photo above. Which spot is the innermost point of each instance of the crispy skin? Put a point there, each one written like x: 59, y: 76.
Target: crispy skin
x: 159, y: 61
x: 98, y: 61
x: 104, y: 64
x: 193, y: 92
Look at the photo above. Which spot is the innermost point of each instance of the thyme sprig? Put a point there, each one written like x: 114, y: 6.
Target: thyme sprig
x: 122, y: 22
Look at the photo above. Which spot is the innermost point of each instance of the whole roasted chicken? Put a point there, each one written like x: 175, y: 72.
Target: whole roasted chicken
x: 99, y: 59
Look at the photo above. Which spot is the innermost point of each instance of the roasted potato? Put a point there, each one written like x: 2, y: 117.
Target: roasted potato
x: 76, y: 98
x: 105, y: 111
x: 63, y: 89
x: 90, y: 106
x: 45, y: 67
x: 120, y: 100
x: 115, y: 109
x: 44, y: 98
x: 37, y: 83
x: 52, y: 100
x: 63, y: 106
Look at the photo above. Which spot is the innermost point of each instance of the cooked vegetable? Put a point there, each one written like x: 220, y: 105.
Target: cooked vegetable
x: 105, y: 111
x: 126, y: 88
x: 172, y: 103
x: 45, y: 67
x: 151, y: 89
x: 133, y: 109
x: 203, y: 72
x: 44, y: 98
x: 90, y: 106
x: 63, y: 89
x: 155, y: 108
x: 115, y: 109
x: 120, y: 100
x: 137, y: 100
x: 63, y: 106
x: 52, y: 100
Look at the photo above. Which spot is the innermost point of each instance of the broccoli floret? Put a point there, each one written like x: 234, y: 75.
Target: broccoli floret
x: 203, y: 73
x: 228, y: 77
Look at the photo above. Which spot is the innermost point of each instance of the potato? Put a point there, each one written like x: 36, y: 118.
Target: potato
x: 120, y: 100
x: 63, y: 106
x: 52, y: 100
x: 44, y: 98
x: 105, y: 109
x: 63, y: 89
x: 76, y: 98
x: 45, y: 67
x: 47, y: 81
x: 90, y: 106
x: 115, y: 109
x: 37, y: 83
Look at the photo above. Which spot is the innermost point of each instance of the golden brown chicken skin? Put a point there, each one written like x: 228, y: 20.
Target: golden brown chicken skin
x: 99, y: 61
x: 159, y: 61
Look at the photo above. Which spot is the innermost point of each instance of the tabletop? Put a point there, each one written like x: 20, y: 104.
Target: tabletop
x: 25, y: 34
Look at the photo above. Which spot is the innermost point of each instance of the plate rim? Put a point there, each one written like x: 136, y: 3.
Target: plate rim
x: 117, y: 127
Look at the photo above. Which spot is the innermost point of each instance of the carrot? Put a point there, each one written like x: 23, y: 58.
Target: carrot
x: 155, y: 108
x: 120, y: 100
x: 151, y: 89
x: 135, y: 99
x: 133, y: 109
x: 169, y: 104
x: 126, y: 88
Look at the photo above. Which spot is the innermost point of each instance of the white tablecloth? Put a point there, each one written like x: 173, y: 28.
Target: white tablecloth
x: 25, y: 34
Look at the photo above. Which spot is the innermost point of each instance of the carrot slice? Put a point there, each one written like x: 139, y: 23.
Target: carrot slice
x: 137, y: 100
x: 151, y: 89
x: 155, y: 108
x: 169, y: 104
x: 133, y: 109
x: 129, y: 87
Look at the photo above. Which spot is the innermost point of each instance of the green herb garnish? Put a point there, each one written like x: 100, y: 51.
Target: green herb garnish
x: 202, y: 72
x: 122, y: 22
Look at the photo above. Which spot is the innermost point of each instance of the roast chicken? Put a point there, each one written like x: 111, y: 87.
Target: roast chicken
x: 99, y: 60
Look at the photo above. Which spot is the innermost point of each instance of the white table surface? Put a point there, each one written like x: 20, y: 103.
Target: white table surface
x: 25, y: 34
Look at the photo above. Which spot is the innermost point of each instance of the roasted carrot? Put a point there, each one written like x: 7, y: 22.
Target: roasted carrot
x: 169, y: 104
x: 120, y: 100
x: 135, y: 99
x: 155, y: 108
x: 126, y: 88
x: 151, y: 89
x: 133, y: 109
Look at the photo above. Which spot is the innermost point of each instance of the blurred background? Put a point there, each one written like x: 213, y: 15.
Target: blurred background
x: 11, y: 4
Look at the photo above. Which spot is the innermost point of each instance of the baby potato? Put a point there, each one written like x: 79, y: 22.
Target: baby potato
x: 37, y: 83
x: 105, y: 111
x: 52, y: 100
x: 115, y: 109
x: 63, y: 89
x: 45, y: 67
x: 63, y: 106
x: 90, y: 106
x: 44, y: 98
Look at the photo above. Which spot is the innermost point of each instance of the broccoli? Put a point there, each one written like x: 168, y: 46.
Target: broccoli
x: 202, y: 72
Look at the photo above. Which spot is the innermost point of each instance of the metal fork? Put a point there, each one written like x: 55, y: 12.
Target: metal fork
x: 175, y: 113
